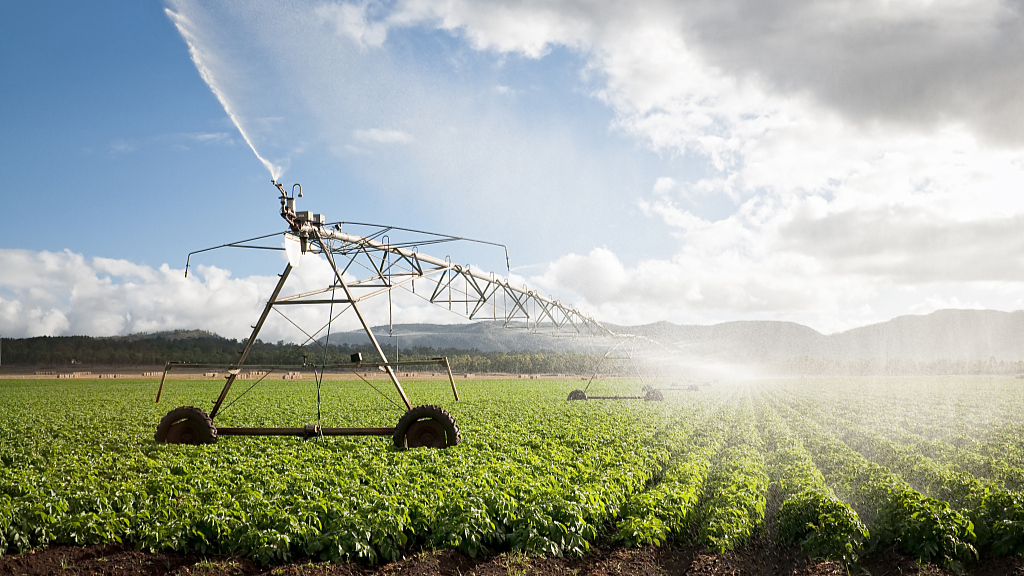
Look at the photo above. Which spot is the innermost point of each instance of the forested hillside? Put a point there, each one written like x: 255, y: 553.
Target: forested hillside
x: 202, y: 347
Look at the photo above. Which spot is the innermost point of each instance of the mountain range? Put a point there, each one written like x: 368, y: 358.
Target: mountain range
x: 942, y: 335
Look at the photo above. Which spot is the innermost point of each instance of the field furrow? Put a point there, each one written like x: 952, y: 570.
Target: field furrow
x: 892, y: 510
x: 735, y: 494
x: 808, y: 514
x: 665, y: 510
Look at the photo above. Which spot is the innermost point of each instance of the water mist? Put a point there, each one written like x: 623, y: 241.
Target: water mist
x: 199, y: 57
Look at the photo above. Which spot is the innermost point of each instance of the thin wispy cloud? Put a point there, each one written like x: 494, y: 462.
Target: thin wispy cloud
x: 212, y: 137
x: 121, y: 147
x: 382, y: 136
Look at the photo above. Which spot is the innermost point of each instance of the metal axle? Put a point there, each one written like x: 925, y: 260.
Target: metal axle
x: 306, y: 431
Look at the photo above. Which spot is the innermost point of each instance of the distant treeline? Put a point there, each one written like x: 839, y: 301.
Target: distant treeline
x: 203, y: 348
x: 67, y: 351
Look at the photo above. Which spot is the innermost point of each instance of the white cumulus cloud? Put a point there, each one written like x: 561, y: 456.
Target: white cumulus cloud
x: 64, y: 293
x: 856, y: 159
x: 352, y: 20
x: 870, y: 150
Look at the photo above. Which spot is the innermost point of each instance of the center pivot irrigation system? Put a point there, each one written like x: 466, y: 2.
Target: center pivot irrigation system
x: 365, y: 267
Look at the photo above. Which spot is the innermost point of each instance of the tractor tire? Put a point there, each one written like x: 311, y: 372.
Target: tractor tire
x: 186, y: 425
x: 654, y: 395
x: 577, y: 395
x: 427, y: 426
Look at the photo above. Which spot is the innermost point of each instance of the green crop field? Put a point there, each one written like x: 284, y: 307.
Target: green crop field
x: 839, y: 467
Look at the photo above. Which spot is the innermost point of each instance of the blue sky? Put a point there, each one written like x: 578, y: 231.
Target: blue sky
x: 101, y: 117
x: 651, y: 162
x: 111, y: 127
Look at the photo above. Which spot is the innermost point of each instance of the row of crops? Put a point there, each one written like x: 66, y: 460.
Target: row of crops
x: 840, y: 468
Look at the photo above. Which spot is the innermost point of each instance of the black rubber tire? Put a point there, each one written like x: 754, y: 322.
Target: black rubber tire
x: 577, y: 395
x: 654, y: 395
x: 186, y: 425
x: 427, y: 426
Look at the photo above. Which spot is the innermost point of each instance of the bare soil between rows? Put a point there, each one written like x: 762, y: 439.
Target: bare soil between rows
x: 758, y: 559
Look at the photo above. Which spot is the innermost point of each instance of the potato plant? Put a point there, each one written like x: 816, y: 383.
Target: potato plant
x: 844, y: 467
x: 809, y: 514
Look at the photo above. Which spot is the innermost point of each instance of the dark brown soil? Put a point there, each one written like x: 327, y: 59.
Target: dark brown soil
x: 755, y: 560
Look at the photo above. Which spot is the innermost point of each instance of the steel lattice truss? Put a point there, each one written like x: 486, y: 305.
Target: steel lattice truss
x: 380, y: 267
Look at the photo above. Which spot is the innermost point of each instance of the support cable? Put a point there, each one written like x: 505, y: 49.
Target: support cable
x: 327, y: 346
x: 269, y: 372
x: 386, y: 397
x: 601, y: 361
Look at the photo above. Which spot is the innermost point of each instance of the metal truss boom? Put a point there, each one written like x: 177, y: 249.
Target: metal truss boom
x: 483, y: 296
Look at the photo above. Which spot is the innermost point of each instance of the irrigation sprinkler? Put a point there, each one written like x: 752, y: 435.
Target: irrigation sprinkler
x: 365, y: 267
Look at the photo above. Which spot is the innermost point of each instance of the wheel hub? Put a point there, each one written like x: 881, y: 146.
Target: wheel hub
x: 426, y: 433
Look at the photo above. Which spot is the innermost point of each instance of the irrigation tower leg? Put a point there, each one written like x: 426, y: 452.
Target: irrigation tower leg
x: 451, y: 378
x: 376, y: 345
x: 252, y: 340
x: 160, y: 390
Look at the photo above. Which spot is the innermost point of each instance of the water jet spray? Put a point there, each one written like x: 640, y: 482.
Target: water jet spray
x: 199, y: 59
